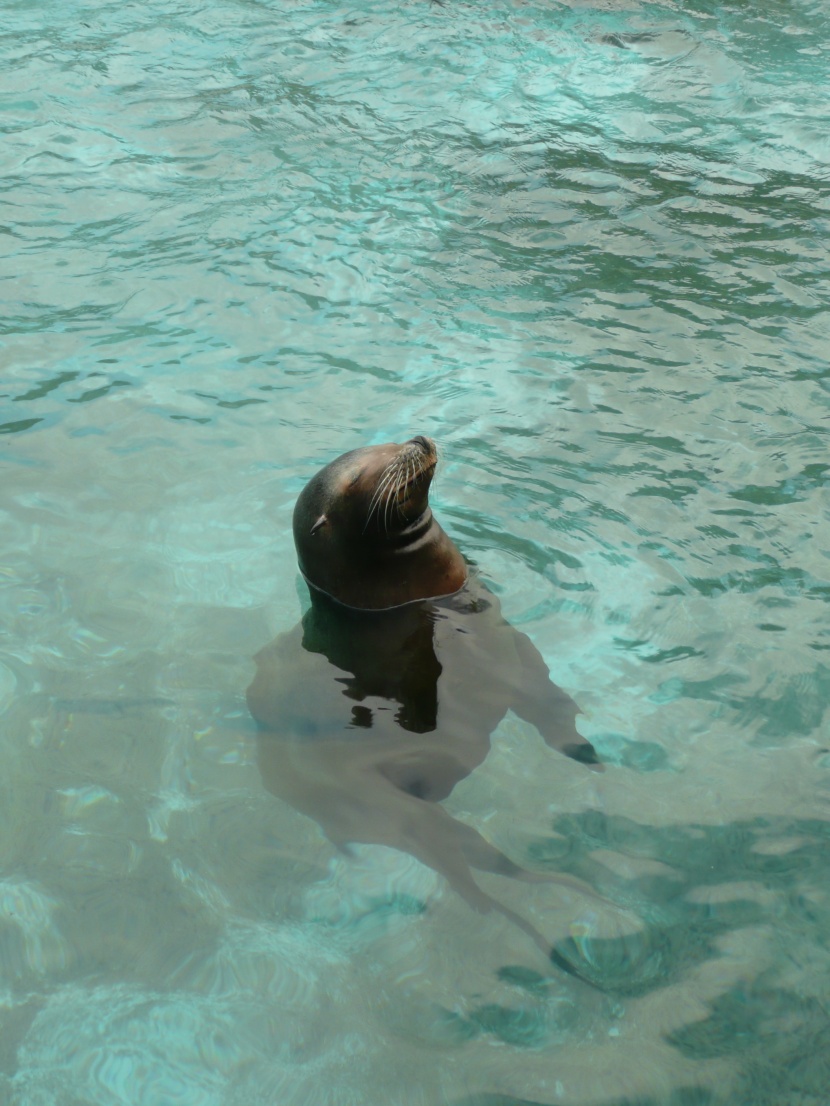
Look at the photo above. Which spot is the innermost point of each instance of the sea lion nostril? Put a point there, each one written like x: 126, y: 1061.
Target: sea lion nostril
x: 423, y: 442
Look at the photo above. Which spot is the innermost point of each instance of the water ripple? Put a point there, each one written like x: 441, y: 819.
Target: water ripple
x: 585, y: 247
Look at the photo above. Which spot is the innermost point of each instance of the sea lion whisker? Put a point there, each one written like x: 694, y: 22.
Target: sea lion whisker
x: 387, y: 476
x: 379, y: 508
x: 403, y: 484
x: 385, y: 491
x: 411, y: 468
x: 383, y: 479
x: 376, y: 498
x: 391, y: 495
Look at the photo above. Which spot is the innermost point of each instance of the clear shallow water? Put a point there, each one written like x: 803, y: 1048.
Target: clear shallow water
x: 586, y: 249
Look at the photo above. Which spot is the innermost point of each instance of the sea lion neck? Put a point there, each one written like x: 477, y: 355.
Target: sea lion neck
x: 415, y: 533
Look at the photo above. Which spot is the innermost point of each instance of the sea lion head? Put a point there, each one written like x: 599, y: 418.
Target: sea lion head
x: 364, y: 531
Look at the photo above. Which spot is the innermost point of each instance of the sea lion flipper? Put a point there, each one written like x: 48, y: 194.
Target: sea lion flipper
x: 550, y: 709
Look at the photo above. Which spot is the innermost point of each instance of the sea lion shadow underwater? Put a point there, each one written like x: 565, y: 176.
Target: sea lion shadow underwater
x: 385, y: 695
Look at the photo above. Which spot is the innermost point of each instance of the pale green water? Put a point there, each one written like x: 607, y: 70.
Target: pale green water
x: 586, y: 248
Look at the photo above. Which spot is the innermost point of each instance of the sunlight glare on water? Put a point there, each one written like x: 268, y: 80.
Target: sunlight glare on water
x: 585, y: 247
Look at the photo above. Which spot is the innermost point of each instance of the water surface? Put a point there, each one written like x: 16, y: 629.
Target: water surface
x: 586, y: 248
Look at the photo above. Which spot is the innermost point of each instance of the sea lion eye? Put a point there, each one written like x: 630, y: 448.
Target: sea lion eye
x: 321, y: 521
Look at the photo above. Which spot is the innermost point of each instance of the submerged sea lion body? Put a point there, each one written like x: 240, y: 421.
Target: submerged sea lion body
x: 369, y: 717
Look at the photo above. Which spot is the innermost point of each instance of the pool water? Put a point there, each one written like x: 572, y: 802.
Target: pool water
x: 585, y: 247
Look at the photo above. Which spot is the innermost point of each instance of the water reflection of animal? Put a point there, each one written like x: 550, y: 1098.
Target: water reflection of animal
x: 369, y: 717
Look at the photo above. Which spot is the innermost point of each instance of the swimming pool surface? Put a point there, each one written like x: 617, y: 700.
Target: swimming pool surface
x: 586, y: 248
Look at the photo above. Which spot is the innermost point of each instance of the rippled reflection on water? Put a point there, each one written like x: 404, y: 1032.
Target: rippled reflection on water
x: 586, y: 249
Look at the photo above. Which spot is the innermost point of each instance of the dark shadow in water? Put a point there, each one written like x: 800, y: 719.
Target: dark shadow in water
x: 369, y: 719
x: 782, y: 1036
x: 777, y: 1025
x: 682, y: 1096
x: 682, y: 932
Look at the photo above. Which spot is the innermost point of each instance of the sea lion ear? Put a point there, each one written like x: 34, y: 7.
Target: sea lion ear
x: 321, y: 521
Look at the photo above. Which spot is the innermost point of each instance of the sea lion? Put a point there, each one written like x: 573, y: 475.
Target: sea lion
x: 365, y: 534
x: 386, y: 693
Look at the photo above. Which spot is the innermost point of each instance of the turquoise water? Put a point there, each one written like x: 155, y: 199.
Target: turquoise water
x: 586, y: 249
